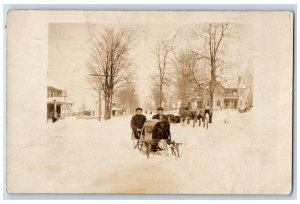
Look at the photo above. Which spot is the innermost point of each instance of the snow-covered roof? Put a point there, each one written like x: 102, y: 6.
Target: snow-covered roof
x: 53, y: 84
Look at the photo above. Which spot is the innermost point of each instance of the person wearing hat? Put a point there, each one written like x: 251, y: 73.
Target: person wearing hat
x: 164, y: 126
x: 160, y: 116
x: 137, y: 122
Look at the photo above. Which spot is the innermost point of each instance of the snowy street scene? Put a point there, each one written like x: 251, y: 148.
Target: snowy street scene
x: 150, y: 102
x: 113, y: 165
x: 133, y: 109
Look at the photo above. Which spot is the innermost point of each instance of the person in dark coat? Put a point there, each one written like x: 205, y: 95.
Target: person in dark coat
x: 160, y: 116
x: 137, y: 122
x: 162, y: 131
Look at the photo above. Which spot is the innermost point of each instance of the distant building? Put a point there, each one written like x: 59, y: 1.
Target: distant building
x: 116, y: 109
x: 56, y: 101
x: 226, y: 96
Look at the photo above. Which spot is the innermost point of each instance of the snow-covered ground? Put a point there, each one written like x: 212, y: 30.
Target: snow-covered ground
x: 85, y: 155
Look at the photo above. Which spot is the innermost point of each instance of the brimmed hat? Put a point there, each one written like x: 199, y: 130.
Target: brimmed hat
x: 138, y: 109
x: 160, y: 108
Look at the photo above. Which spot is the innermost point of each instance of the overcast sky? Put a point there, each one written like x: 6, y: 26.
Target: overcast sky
x: 69, y: 45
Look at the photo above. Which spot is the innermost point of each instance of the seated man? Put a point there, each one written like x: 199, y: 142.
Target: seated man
x: 162, y: 129
x: 160, y: 116
x: 137, y: 122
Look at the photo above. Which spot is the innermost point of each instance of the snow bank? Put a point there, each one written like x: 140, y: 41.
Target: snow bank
x: 89, y: 156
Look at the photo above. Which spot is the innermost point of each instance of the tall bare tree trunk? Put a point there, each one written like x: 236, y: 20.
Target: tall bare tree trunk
x: 211, y: 106
x: 106, y: 108
x: 212, y: 89
x: 110, y: 105
x: 160, y: 79
x: 99, y: 111
x: 160, y: 94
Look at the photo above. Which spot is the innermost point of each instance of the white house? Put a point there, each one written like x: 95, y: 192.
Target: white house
x: 56, y: 101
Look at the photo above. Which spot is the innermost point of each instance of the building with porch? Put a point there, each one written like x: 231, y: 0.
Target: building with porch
x: 56, y: 101
x: 226, y: 96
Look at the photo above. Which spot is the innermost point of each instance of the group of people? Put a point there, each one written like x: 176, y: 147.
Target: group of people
x: 186, y: 115
x: 138, y: 120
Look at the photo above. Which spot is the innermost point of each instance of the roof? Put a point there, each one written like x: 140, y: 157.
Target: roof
x: 53, y: 84
x: 232, y: 84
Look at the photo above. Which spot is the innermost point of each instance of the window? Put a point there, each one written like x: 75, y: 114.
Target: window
x: 218, y: 102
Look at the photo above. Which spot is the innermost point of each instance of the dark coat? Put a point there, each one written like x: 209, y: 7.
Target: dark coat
x: 162, y: 130
x: 137, y: 121
x: 164, y: 117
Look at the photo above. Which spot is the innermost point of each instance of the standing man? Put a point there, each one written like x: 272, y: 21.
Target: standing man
x: 160, y: 116
x: 137, y: 122
x: 54, y: 112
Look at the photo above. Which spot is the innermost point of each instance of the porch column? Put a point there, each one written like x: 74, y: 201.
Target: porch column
x: 55, y: 107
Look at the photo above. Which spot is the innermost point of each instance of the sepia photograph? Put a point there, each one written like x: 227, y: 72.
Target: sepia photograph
x: 149, y: 102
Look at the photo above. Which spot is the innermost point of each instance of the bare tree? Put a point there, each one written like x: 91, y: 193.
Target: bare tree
x: 127, y: 97
x: 184, y: 65
x: 214, y: 35
x: 109, y: 65
x: 160, y: 78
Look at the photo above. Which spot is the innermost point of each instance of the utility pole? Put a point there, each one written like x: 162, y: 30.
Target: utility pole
x: 64, y: 95
x: 99, y: 95
x: 238, y: 93
x: 99, y: 111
